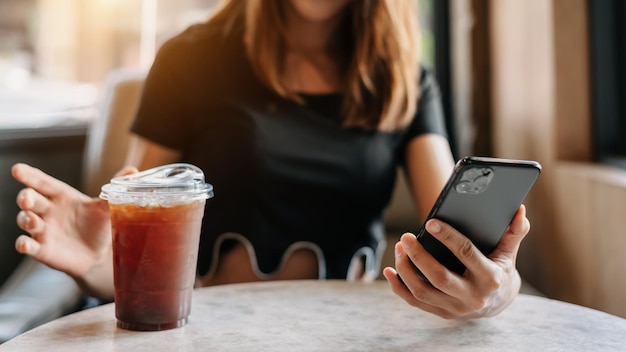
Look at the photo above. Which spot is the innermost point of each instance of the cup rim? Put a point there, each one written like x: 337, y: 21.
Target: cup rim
x: 161, y: 183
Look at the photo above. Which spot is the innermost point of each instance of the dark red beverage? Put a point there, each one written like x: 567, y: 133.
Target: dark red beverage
x: 154, y: 260
x: 156, y: 217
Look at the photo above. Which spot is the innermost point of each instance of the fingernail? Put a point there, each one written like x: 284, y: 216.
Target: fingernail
x: 396, y: 249
x: 23, y: 220
x: 26, y: 222
x: 433, y: 227
x: 21, y: 245
x: 406, y: 240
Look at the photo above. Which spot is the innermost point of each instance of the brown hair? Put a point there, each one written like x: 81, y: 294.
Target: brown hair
x: 382, y: 70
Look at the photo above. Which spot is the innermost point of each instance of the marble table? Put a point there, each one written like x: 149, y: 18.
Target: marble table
x: 332, y: 316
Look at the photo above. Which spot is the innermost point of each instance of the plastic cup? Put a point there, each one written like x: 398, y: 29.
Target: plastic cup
x: 156, y: 217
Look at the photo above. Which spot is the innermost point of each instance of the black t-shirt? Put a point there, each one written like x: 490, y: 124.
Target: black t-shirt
x: 285, y: 175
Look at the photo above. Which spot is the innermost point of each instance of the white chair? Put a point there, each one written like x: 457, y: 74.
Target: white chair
x: 35, y: 294
x: 108, y: 137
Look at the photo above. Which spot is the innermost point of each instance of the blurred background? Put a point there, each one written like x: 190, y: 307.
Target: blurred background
x: 526, y: 79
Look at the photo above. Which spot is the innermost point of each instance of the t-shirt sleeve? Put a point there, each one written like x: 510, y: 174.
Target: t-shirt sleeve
x: 429, y: 116
x: 163, y: 115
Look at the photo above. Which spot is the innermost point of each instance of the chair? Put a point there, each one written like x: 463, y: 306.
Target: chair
x: 35, y: 294
x: 108, y: 137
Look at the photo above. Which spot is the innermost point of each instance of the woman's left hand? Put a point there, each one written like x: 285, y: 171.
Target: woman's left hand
x: 486, y: 288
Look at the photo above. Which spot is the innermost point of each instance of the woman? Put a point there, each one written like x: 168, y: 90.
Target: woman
x: 299, y: 112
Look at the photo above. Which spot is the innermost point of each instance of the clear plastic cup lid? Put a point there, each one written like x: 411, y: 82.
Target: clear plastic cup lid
x: 163, y: 185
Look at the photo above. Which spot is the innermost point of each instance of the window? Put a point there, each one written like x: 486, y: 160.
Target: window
x: 608, y: 53
x: 434, y: 23
x: 425, y: 10
x: 82, y: 41
x: 55, y: 54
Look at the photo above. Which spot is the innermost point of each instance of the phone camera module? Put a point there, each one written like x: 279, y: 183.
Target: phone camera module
x: 474, y: 180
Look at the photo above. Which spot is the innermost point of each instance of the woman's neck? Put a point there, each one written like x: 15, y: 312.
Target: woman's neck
x: 310, y: 37
x: 313, y: 58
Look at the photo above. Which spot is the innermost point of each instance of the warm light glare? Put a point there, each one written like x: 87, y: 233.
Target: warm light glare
x: 148, y: 33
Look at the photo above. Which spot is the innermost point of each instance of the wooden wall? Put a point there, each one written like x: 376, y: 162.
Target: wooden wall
x: 541, y: 110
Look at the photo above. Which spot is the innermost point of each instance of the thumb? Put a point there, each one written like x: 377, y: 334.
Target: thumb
x: 514, y: 234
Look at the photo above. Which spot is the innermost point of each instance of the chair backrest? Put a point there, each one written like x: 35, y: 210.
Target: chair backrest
x: 108, y: 137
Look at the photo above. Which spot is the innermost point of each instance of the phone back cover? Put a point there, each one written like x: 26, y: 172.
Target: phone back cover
x: 482, y: 217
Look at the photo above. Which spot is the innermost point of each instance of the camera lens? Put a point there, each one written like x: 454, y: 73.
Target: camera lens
x: 481, y: 182
x: 463, y: 187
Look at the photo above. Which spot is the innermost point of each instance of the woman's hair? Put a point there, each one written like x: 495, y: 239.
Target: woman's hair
x: 381, y: 39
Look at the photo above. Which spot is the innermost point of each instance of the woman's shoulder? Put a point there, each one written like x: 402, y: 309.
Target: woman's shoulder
x: 202, y: 33
x: 200, y: 43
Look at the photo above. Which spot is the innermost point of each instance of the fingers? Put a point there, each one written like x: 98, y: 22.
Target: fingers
x: 479, y: 266
x: 438, y: 276
x: 33, y: 206
x: 27, y: 246
x: 29, y: 199
x: 416, y: 254
x: 487, y: 286
x: 38, y: 180
x: 31, y: 223
x: 403, y: 292
x: 414, y: 289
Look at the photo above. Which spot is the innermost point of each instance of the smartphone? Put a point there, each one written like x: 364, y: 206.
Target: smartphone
x: 479, y: 200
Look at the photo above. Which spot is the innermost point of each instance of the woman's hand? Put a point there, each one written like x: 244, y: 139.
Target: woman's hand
x: 69, y: 231
x: 486, y: 288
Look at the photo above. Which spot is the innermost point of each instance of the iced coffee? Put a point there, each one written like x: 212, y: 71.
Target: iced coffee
x: 156, y: 217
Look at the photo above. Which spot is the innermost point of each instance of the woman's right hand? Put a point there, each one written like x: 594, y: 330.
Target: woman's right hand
x: 69, y: 231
